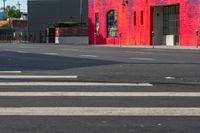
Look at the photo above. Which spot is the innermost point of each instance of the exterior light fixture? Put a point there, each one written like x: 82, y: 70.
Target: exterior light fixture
x: 125, y: 2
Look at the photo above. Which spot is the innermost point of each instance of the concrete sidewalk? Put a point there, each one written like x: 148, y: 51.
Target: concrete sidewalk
x: 113, y: 45
x: 150, y: 47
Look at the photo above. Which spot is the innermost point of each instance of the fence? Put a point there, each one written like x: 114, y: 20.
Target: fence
x: 10, y: 35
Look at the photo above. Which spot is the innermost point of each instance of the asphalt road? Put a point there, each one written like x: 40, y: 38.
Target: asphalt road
x: 36, y: 97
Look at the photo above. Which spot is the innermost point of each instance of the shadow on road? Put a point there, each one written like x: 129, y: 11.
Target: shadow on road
x: 12, y: 61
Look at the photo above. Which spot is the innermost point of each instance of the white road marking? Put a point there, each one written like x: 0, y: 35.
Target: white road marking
x: 102, y: 94
x: 73, y: 84
x: 70, y: 49
x: 26, y: 47
x: 170, y: 78
x: 10, y: 72
x: 51, y: 53
x: 37, y: 77
x: 21, y: 51
x: 143, y: 59
x: 134, y: 52
x: 98, y: 111
x: 92, y: 56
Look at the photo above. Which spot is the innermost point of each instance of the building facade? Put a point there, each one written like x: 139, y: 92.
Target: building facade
x: 43, y: 14
x: 144, y: 22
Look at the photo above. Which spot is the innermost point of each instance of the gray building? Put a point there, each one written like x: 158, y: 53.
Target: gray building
x: 46, y: 13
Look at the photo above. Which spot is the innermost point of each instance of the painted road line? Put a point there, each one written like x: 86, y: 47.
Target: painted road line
x: 51, y: 53
x: 92, y: 56
x: 21, y: 52
x: 26, y: 47
x: 170, y: 78
x: 73, y: 84
x: 100, y: 94
x: 70, y: 49
x: 134, y: 52
x: 143, y: 59
x: 10, y: 72
x: 98, y: 111
x: 37, y: 77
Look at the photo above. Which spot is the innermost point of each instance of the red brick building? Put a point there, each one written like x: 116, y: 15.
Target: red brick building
x: 144, y: 22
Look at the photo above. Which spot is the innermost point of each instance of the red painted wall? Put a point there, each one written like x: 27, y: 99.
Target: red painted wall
x: 141, y: 34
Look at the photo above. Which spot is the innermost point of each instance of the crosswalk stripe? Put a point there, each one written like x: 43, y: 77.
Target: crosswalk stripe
x: 10, y: 72
x: 73, y: 84
x: 37, y: 77
x: 103, y: 94
x: 98, y: 111
x: 90, y: 111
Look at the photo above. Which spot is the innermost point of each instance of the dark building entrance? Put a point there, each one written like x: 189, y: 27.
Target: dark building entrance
x: 166, y: 25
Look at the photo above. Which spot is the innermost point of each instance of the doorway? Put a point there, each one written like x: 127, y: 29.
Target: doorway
x: 166, y: 25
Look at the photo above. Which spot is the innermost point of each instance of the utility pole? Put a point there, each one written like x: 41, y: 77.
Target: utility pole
x: 81, y: 11
x: 4, y: 5
x: 19, y: 6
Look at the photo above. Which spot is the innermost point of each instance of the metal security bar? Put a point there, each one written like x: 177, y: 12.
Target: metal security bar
x: 171, y: 21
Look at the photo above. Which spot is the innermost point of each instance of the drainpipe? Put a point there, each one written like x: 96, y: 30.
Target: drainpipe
x: 197, y: 40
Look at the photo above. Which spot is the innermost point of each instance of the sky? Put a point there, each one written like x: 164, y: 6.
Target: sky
x: 14, y: 3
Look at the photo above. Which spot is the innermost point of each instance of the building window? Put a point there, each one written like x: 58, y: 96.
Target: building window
x: 97, y: 24
x: 134, y: 18
x: 142, y: 18
x: 112, y: 23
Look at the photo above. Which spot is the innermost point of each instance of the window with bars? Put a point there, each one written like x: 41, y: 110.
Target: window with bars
x: 171, y: 20
x: 112, y: 24
x: 97, y: 24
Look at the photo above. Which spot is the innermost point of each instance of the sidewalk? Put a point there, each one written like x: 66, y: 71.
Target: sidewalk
x: 150, y: 47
